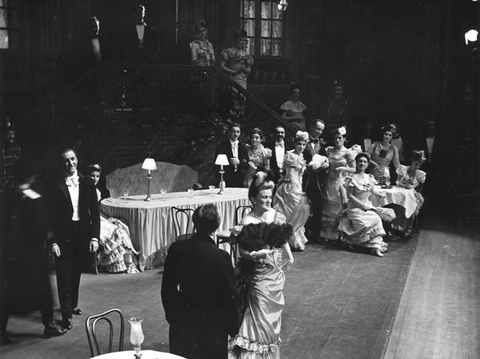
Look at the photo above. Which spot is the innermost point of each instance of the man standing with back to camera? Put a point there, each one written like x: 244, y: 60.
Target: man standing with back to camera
x: 74, y: 229
x: 198, y: 292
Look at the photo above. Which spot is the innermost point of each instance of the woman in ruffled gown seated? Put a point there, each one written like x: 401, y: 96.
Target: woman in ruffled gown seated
x: 361, y: 224
x: 258, y: 155
x: 289, y: 198
x: 116, y: 252
x: 410, y: 177
x: 333, y: 192
x: 262, y: 242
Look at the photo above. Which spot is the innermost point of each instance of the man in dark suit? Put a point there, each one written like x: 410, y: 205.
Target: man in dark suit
x: 278, y: 154
x: 140, y: 41
x: 237, y: 155
x: 74, y: 229
x: 313, y: 179
x: 198, y: 292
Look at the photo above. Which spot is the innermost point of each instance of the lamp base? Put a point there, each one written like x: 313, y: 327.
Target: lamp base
x: 222, y: 187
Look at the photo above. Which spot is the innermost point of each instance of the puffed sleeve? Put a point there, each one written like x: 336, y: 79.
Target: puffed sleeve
x: 249, y: 60
x: 225, y: 55
x: 401, y: 171
x: 372, y: 180
x: 285, y: 106
x: 267, y: 152
x: 350, y: 157
x: 421, y: 176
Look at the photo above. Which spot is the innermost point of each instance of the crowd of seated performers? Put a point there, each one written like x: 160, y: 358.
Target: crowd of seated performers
x: 323, y: 187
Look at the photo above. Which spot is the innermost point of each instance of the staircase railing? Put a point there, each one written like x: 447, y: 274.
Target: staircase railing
x: 215, y: 73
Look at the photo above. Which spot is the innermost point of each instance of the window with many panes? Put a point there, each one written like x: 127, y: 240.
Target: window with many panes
x: 263, y: 22
x: 8, y: 24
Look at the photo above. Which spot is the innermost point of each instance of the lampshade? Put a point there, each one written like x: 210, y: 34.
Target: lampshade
x: 282, y: 5
x: 471, y: 36
x: 222, y: 160
x: 149, y: 164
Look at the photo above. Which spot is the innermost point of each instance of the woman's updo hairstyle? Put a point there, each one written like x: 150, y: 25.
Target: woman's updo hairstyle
x: 260, y: 181
x: 418, y: 155
x: 93, y: 168
x: 294, y: 87
x: 301, y: 136
x: 339, y: 131
x: 238, y: 33
x: 364, y: 155
x: 389, y: 127
x: 258, y: 131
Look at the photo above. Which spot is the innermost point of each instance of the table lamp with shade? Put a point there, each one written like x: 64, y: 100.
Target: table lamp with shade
x: 149, y: 165
x: 221, y: 161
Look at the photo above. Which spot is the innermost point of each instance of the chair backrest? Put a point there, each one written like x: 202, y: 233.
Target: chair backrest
x: 109, y: 317
x: 182, y: 215
x: 240, y: 212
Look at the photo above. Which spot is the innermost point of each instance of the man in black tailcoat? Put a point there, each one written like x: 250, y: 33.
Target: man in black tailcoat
x: 313, y: 179
x: 237, y: 155
x: 74, y: 229
x: 140, y: 41
x: 198, y: 292
x: 278, y: 154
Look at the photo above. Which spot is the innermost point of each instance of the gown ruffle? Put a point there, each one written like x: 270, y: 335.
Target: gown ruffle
x: 360, y: 227
x: 291, y: 201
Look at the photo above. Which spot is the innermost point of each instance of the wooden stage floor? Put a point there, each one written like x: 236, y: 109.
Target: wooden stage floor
x: 420, y: 301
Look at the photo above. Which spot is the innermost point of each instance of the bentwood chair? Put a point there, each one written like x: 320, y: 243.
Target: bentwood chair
x: 105, y: 321
x: 183, y: 215
x: 226, y: 236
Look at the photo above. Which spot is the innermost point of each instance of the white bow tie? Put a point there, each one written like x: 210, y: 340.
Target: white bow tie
x: 72, y: 181
x: 279, y: 143
x: 234, y: 144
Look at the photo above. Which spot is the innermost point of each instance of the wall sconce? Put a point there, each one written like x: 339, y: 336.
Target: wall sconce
x: 221, y: 161
x: 282, y: 5
x: 149, y: 165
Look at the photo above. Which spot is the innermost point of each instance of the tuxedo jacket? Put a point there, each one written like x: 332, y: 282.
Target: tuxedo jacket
x: 313, y: 181
x: 198, y: 288
x: 273, y: 160
x: 60, y: 211
x: 234, y: 178
x: 134, y: 52
x: 85, y: 54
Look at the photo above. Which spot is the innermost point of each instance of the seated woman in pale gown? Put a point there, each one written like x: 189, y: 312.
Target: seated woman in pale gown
x: 116, y: 250
x: 361, y: 224
x: 289, y: 198
x: 410, y: 177
x: 263, y: 241
x: 258, y: 155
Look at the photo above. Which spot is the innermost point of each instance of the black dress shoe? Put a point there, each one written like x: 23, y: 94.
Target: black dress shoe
x: 76, y: 311
x: 53, y: 330
x: 6, y: 339
x: 67, y: 324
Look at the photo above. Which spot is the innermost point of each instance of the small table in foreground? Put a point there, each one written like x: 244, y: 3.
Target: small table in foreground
x: 146, y: 354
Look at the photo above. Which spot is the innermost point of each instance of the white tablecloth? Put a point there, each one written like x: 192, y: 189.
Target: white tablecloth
x: 146, y: 354
x: 397, y: 195
x: 151, y: 223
